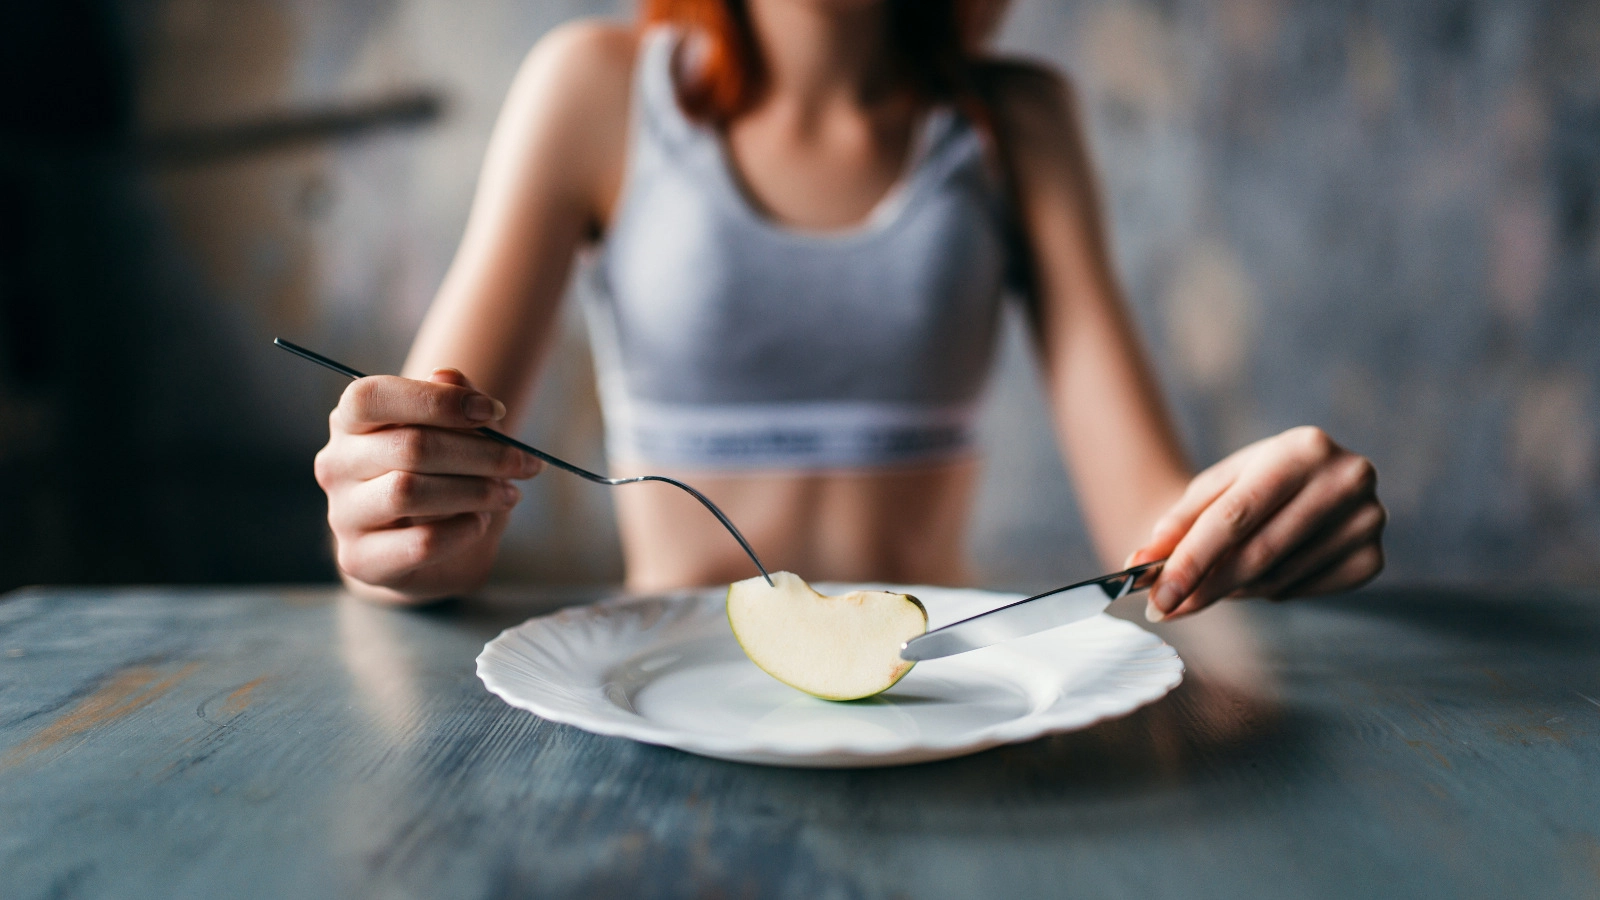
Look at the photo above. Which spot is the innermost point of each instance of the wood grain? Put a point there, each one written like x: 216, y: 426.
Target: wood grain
x: 294, y: 743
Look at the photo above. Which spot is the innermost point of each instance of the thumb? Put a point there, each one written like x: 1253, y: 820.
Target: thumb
x: 451, y: 376
x: 1139, y: 557
x: 1164, y: 538
x: 480, y: 408
x: 1201, y: 492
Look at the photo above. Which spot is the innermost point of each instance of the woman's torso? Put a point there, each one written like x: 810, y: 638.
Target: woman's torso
x: 819, y: 385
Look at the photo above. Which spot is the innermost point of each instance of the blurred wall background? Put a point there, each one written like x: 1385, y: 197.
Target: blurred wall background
x: 1383, y: 219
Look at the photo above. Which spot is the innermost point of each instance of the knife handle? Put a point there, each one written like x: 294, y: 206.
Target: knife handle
x: 1143, y: 576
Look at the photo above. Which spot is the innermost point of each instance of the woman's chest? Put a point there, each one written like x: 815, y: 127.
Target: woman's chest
x: 696, y: 289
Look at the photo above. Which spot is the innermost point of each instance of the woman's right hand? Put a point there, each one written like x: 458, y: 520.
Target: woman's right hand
x: 416, y: 500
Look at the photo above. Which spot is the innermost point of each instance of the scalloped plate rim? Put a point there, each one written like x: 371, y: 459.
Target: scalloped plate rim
x: 1147, y: 656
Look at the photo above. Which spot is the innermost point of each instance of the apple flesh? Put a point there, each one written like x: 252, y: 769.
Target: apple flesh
x: 836, y: 648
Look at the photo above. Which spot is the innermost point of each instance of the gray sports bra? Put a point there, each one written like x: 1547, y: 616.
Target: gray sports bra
x: 726, y: 341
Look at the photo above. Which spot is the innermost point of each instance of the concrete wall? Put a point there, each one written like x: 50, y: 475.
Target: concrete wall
x: 1376, y: 218
x: 1379, y: 218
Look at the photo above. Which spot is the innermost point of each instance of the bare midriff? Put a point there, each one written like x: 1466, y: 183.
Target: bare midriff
x: 904, y: 525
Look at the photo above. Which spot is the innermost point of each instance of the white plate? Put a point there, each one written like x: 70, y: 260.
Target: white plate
x: 666, y: 670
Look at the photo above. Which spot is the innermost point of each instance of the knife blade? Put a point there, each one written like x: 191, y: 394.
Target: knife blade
x: 1037, y: 613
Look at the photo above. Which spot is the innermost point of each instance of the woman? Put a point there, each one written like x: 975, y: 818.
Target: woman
x: 807, y: 212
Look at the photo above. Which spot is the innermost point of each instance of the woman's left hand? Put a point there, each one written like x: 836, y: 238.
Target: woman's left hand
x: 1291, y: 515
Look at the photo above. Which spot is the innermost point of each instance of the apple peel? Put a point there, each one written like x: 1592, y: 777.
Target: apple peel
x: 837, y: 648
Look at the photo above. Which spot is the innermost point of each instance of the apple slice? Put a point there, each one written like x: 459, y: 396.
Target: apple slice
x: 836, y: 648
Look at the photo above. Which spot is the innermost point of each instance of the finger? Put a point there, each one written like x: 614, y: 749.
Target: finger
x: 1201, y: 492
x: 387, y: 557
x: 429, y: 451
x: 425, y: 451
x: 1347, y: 574
x: 397, y: 498
x: 1221, y: 527
x: 451, y: 376
x: 1327, y: 499
x: 1361, y: 527
x: 1357, y: 531
x: 378, y: 401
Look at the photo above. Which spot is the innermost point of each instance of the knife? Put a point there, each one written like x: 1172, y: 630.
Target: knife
x: 1037, y: 613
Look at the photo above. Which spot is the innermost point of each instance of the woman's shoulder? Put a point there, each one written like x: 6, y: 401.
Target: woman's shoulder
x: 567, y: 110
x: 592, y: 55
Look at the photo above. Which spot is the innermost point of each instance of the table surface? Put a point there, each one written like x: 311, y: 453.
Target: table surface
x: 283, y: 742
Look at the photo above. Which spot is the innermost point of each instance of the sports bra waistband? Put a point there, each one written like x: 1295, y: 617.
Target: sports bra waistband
x: 787, y: 435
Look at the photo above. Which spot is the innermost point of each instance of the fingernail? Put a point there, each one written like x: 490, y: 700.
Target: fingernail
x: 482, y: 409
x: 512, y: 495
x: 1153, y: 613
x: 1166, y: 598
x: 531, y: 464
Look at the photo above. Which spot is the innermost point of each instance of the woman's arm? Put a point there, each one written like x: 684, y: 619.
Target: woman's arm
x: 1127, y: 463
x: 1292, y: 514
x: 553, y: 168
x: 416, y: 501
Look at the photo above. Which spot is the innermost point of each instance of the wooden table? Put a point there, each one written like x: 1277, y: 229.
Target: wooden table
x: 160, y: 742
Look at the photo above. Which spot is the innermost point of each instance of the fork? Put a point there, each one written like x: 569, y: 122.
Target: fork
x: 493, y: 435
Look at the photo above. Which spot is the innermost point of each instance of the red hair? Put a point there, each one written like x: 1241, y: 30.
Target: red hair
x: 933, y: 40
